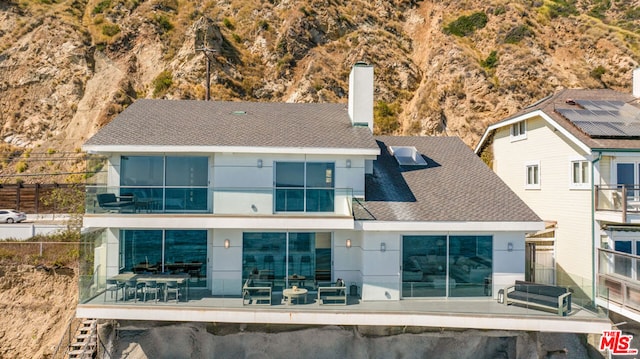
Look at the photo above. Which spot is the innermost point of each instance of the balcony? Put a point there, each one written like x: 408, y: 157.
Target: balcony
x: 618, y: 204
x: 219, y: 201
x: 200, y: 306
x: 618, y: 284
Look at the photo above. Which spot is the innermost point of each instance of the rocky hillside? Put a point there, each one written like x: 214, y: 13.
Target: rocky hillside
x: 67, y: 67
x: 36, y: 304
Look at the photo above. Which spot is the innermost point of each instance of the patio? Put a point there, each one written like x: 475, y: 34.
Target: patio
x: 445, y: 313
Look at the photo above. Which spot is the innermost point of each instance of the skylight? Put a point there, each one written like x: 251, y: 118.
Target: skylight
x: 407, y: 156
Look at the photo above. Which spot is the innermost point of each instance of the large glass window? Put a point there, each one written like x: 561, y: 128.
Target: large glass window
x: 424, y: 266
x: 470, y: 265
x: 286, y: 259
x: 626, y: 177
x: 304, y: 187
x: 170, y: 251
x: 623, y: 264
x: 171, y: 183
x: 454, y: 266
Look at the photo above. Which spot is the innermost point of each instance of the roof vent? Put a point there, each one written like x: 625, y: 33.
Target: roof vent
x: 407, y: 156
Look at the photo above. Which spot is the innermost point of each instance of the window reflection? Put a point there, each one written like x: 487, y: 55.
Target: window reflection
x: 185, y: 251
x: 455, y: 266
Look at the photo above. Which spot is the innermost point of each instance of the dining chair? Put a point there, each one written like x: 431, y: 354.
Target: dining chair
x: 150, y: 287
x: 172, y: 287
x: 131, y: 286
x: 113, y: 286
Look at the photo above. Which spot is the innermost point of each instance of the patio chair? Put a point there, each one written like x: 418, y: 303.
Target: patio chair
x: 131, y: 286
x: 113, y: 286
x: 150, y: 287
x: 109, y: 202
x: 172, y: 287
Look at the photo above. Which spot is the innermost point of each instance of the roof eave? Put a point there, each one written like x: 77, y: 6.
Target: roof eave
x: 526, y: 116
x: 451, y: 226
x: 105, y: 149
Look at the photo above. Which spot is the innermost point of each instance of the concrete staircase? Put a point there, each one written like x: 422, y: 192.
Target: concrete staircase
x: 84, y: 344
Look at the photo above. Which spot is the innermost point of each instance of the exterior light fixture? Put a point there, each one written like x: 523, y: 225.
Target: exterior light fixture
x: 259, y: 163
x: 510, y: 247
x: 383, y: 247
x: 348, y: 243
x: 348, y: 163
x: 227, y: 243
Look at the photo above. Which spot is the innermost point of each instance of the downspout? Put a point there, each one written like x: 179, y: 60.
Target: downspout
x: 593, y: 229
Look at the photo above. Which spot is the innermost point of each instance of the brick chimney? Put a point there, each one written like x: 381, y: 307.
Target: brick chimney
x: 361, y: 95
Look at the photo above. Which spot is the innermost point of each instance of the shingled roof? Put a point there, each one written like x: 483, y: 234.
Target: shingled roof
x: 568, y: 99
x: 454, y: 186
x: 245, y: 124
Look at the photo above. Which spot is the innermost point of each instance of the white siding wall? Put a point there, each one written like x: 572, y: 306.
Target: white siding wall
x: 226, y: 263
x: 381, y: 270
x: 507, y: 266
x: 241, y: 171
x: 554, y: 201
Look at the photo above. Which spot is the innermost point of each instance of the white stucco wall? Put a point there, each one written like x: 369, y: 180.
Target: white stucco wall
x: 555, y: 200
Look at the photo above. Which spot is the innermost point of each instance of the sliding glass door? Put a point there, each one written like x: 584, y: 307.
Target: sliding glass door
x: 287, y: 258
x: 165, y: 251
x: 447, y: 266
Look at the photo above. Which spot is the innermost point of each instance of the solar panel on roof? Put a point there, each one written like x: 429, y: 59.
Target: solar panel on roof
x: 604, y: 119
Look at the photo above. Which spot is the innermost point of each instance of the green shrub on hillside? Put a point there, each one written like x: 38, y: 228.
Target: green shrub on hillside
x: 228, y: 24
x: 110, y: 29
x: 385, y: 118
x: 491, y: 61
x: 102, y: 5
x: 598, y: 72
x: 162, y: 83
x: 562, y: 8
x: 466, y: 25
x: 21, y: 166
x: 516, y: 34
x: 600, y: 8
x: 164, y: 23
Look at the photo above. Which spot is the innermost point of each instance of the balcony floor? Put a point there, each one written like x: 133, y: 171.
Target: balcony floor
x: 446, y: 313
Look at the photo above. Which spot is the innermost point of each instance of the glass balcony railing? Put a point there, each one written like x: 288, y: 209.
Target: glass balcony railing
x: 618, y: 278
x: 222, y: 201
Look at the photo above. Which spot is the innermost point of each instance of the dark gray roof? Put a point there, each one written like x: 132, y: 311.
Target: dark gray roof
x: 455, y: 186
x: 561, y: 105
x: 248, y: 124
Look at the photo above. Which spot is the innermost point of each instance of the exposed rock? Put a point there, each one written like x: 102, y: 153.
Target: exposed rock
x: 68, y: 68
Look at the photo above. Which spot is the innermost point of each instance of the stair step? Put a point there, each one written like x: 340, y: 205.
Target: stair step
x: 82, y: 344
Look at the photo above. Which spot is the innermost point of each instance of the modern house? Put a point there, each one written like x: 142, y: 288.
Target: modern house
x: 574, y: 158
x: 246, y: 198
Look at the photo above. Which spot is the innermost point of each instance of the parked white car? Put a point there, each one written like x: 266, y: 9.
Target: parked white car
x: 11, y: 216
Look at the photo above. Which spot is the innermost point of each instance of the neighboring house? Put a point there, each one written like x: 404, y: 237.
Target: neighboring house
x: 232, y: 191
x: 574, y: 158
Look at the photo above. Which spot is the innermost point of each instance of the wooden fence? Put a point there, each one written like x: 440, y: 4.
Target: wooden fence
x: 32, y: 198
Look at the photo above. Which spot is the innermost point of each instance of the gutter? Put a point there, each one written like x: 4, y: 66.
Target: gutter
x: 593, y: 228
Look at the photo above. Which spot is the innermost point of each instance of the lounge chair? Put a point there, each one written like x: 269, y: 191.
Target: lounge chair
x: 109, y: 202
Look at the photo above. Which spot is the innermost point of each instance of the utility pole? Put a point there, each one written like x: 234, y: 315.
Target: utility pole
x: 208, y: 53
